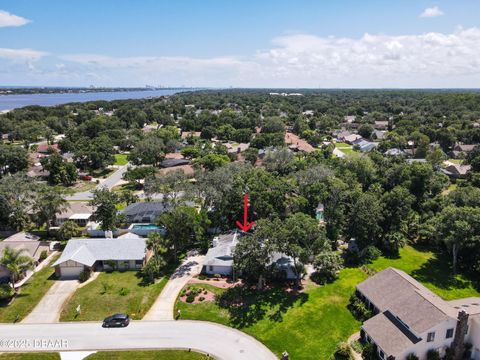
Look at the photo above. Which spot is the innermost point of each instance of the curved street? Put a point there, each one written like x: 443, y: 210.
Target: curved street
x: 222, y: 342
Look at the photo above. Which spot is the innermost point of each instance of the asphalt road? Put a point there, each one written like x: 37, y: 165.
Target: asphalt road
x: 222, y: 342
x: 108, y: 183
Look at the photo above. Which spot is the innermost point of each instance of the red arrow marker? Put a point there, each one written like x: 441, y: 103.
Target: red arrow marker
x: 246, y: 225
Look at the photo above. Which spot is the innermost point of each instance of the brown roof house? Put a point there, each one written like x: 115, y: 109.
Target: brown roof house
x: 410, y: 319
x: 78, y: 212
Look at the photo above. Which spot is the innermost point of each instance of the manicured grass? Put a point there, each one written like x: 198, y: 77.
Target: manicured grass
x: 30, y: 356
x: 310, y: 325
x: 103, y: 297
x: 29, y: 296
x: 147, y: 355
x: 456, y: 161
x: 121, y: 159
x: 433, y: 271
x: 342, y: 144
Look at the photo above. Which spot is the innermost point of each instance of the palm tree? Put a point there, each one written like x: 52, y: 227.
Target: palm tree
x: 15, y: 263
x: 49, y: 202
x: 157, y: 243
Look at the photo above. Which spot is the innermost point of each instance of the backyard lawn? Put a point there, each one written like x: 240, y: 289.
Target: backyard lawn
x: 29, y: 296
x: 147, y: 355
x: 121, y: 159
x: 317, y: 319
x: 112, y: 293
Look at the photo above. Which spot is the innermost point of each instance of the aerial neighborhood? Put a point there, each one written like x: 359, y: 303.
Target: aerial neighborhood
x: 317, y: 224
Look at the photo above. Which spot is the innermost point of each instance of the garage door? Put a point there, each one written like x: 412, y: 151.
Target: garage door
x: 70, y: 272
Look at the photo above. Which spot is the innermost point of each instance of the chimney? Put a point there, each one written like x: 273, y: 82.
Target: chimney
x: 458, y: 344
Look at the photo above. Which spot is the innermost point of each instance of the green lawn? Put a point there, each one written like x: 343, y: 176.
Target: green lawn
x: 29, y: 296
x: 342, y: 144
x: 104, y: 296
x: 121, y: 159
x: 310, y: 325
x: 147, y: 355
x: 31, y: 356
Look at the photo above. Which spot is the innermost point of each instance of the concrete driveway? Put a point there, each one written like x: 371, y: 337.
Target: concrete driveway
x: 49, y: 308
x: 222, y: 342
x: 163, y: 307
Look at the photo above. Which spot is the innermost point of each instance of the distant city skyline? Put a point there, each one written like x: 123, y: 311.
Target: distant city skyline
x: 215, y: 43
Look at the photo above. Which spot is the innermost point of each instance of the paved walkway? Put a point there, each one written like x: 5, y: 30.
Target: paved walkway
x: 222, y: 342
x: 49, y: 308
x: 163, y: 307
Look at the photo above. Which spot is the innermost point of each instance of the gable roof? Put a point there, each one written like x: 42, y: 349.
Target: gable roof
x: 413, y: 303
x: 221, y: 254
x: 392, y: 337
x: 88, y: 251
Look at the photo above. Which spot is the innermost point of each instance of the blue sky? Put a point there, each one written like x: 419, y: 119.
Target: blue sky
x: 246, y: 43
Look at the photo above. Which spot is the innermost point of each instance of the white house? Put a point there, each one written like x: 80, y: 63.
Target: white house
x: 101, y: 254
x: 409, y: 318
x: 219, y: 258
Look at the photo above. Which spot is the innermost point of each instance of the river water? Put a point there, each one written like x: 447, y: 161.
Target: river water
x: 8, y: 102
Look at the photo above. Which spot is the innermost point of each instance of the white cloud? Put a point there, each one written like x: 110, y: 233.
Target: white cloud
x: 294, y: 60
x: 7, y: 19
x: 431, y: 12
x: 21, y: 54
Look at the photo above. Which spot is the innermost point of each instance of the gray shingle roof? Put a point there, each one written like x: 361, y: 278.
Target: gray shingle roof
x: 145, y: 209
x: 387, y: 335
x: 87, y: 251
x: 222, y: 253
x: 415, y: 305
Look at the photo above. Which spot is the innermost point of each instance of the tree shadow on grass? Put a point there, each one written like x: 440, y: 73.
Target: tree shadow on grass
x: 246, y: 305
x: 438, y: 272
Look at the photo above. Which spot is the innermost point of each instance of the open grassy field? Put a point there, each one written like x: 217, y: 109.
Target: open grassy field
x: 309, y: 325
x: 112, y: 293
x: 121, y: 159
x: 29, y: 296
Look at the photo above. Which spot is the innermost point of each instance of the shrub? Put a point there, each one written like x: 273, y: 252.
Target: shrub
x: 412, y: 356
x: 201, y: 298
x: 343, y: 352
x: 358, y: 309
x: 124, y: 291
x: 433, y: 354
x: 202, y: 277
x: 205, y: 292
x: 105, y: 287
x: 43, y: 255
x: 190, y: 299
x: 370, y: 253
x: 369, y: 352
x: 217, y: 276
x: 357, y: 346
x: 84, y: 275
x: 6, y: 292
x: 327, y: 265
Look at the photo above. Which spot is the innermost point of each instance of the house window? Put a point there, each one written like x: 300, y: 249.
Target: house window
x: 138, y: 262
x: 382, y: 355
x: 210, y: 268
x: 449, y: 333
x: 431, y: 336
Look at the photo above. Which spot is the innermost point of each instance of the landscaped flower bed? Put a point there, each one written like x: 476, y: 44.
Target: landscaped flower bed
x: 192, y: 295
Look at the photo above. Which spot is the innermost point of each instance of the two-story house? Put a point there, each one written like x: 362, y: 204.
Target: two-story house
x: 410, y: 319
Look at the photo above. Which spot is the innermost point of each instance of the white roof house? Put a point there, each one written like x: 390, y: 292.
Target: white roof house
x: 79, y: 254
x: 219, y: 258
